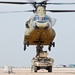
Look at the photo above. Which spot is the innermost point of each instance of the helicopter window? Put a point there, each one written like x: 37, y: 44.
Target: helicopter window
x: 37, y: 18
x: 46, y: 18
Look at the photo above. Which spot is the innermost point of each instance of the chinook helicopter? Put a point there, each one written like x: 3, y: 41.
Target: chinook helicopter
x: 39, y: 29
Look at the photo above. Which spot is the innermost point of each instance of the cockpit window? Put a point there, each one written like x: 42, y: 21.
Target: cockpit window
x: 37, y: 18
x: 44, y: 19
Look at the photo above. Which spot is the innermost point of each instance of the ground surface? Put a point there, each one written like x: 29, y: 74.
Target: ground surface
x: 27, y: 71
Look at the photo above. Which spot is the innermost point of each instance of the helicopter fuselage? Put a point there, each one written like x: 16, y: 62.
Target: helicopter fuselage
x: 39, y: 29
x: 41, y: 32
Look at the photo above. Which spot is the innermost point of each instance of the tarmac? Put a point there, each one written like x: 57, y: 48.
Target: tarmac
x: 27, y: 71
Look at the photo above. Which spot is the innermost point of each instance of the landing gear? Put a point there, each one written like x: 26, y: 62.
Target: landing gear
x: 25, y: 43
x: 49, y: 48
x: 51, y: 44
x: 24, y: 46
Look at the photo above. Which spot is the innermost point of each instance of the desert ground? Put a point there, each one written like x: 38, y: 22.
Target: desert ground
x: 27, y: 71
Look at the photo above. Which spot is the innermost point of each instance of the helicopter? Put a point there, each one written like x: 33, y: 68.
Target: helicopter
x: 39, y: 29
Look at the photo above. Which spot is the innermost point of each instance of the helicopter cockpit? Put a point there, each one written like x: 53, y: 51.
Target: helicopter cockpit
x: 45, y: 21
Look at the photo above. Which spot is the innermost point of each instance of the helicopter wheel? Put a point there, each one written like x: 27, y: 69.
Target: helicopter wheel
x: 24, y: 46
x: 49, y: 48
x: 53, y: 44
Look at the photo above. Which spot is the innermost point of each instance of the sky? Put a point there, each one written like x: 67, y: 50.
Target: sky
x: 12, y: 28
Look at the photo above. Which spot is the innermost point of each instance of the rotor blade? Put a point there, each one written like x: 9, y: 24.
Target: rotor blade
x: 3, y: 2
x: 6, y: 2
x: 56, y: 11
x: 12, y: 12
x: 30, y: 11
x: 60, y: 3
x: 61, y: 10
x: 16, y: 11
